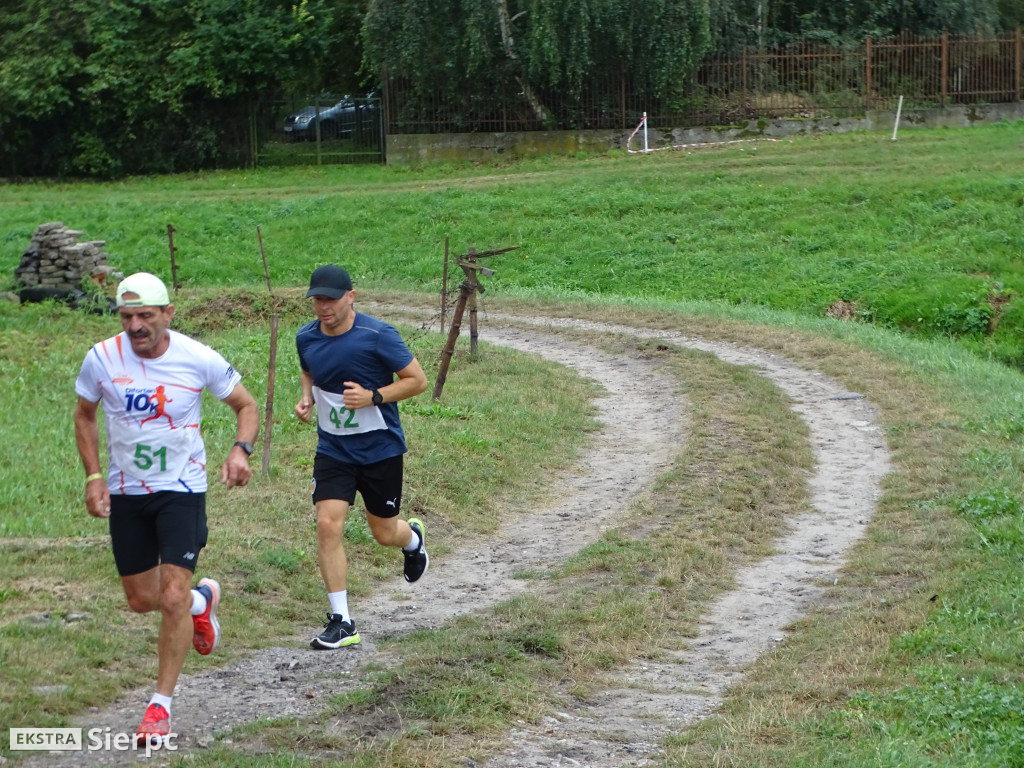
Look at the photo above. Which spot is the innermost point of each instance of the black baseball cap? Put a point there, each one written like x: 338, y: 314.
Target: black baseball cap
x: 329, y: 280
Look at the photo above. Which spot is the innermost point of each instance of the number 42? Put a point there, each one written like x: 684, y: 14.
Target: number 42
x: 350, y: 422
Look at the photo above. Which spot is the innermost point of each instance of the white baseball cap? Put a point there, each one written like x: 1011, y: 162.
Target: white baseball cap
x: 149, y: 288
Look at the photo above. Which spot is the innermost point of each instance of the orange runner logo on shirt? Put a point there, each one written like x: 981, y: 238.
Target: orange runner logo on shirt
x: 158, y: 402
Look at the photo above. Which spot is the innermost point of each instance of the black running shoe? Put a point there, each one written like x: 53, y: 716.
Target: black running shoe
x: 416, y: 562
x: 337, y: 632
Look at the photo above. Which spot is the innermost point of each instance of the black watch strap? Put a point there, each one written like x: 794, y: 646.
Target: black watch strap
x: 378, y: 398
x: 247, y: 447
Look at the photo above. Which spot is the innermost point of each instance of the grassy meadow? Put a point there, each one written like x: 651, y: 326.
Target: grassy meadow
x: 922, y: 235
x: 915, y: 660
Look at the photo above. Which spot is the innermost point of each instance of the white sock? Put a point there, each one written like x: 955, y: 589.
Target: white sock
x: 163, y: 701
x: 414, y: 542
x: 339, y: 603
x: 198, y: 602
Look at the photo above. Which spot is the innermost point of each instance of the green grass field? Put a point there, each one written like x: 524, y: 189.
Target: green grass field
x: 922, y: 241
x: 922, y: 235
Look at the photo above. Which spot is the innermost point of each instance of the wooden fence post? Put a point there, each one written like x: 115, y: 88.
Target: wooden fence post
x: 467, y: 297
x: 444, y: 286
x: 174, y: 265
x: 473, y: 330
x: 268, y: 422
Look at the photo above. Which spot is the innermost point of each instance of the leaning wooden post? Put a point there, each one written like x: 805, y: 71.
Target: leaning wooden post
x: 467, y: 295
x: 453, y: 336
x: 272, y: 365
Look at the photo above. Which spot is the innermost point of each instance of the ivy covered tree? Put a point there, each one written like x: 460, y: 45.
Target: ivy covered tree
x: 469, y: 50
x: 430, y: 41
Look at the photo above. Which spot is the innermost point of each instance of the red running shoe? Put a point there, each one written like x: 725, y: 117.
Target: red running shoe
x: 205, y: 627
x: 156, y: 725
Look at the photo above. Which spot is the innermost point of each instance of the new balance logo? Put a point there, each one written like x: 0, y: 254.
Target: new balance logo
x: 190, y: 555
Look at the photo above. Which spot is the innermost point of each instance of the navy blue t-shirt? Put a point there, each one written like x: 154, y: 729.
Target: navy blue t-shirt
x: 369, y: 353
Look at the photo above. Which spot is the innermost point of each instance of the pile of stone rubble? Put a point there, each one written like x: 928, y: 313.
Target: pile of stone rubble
x: 56, y: 260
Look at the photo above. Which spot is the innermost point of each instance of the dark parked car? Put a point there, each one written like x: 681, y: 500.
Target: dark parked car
x: 341, y: 120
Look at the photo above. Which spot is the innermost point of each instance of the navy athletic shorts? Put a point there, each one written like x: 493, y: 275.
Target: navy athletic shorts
x: 379, y: 484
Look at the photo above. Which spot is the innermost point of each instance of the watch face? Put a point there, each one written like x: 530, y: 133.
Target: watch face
x: 378, y: 398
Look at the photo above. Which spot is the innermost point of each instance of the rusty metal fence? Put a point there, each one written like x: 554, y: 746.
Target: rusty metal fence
x: 800, y: 80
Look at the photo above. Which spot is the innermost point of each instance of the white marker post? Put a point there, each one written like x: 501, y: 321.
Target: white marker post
x: 899, y: 110
x: 645, y: 133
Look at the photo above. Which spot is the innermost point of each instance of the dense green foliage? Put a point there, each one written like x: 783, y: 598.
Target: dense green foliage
x: 473, y: 45
x: 107, y: 89
x: 137, y: 86
x: 737, y: 23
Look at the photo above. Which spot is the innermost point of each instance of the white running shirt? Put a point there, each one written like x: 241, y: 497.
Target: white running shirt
x: 151, y: 411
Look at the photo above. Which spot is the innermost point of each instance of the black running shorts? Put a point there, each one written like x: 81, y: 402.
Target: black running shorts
x: 163, y: 527
x: 379, y: 484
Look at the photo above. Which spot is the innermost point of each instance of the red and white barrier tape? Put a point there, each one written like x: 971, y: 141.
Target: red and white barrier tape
x: 643, y: 123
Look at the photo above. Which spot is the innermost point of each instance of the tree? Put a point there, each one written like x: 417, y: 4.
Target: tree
x: 767, y: 23
x: 106, y: 87
x: 40, y: 70
x: 1011, y: 14
x: 470, y: 50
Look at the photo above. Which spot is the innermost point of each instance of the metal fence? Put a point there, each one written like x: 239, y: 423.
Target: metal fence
x: 799, y: 80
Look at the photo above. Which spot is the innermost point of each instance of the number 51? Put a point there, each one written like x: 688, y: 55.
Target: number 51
x: 145, y: 456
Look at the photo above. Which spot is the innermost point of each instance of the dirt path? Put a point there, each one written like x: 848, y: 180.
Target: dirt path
x: 626, y: 455
x: 625, y: 725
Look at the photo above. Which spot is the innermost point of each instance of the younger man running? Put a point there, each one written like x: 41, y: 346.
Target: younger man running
x: 349, y: 363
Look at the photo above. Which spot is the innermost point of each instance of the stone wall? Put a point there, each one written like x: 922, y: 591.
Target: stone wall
x: 486, y: 147
x: 57, y: 262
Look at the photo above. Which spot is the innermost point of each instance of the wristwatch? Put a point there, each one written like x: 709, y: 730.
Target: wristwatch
x: 247, y: 447
x: 378, y: 398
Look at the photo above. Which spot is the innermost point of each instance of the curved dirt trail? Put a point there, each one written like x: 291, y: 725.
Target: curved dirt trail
x: 622, y: 727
